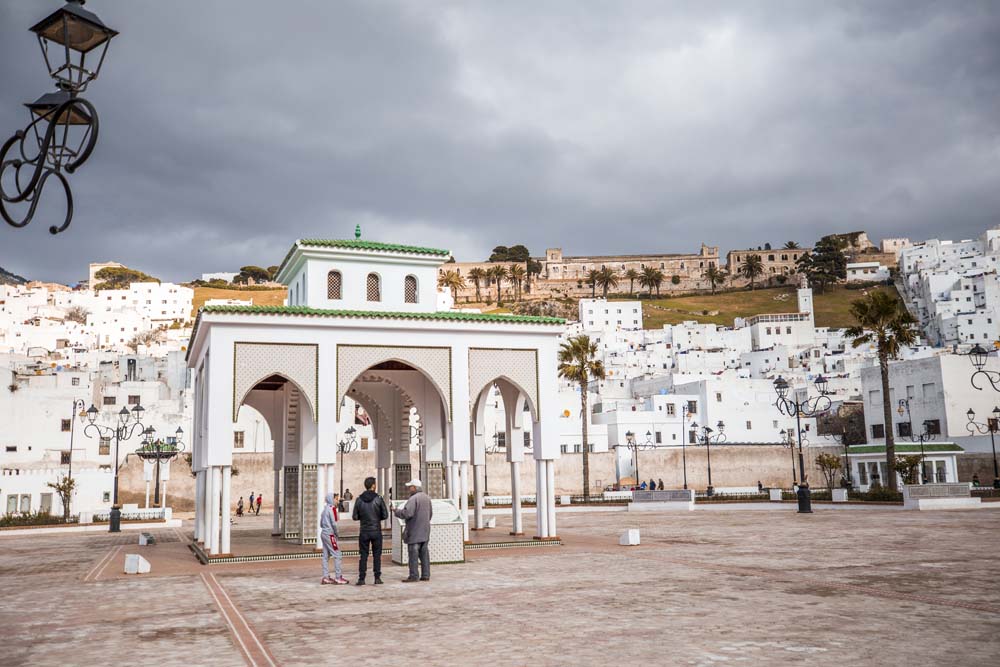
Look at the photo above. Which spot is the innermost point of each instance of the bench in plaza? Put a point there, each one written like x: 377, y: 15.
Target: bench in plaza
x: 938, y: 497
x: 668, y: 499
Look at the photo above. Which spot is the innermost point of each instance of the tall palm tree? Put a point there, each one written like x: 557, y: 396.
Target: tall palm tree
x: 651, y: 279
x: 631, y: 276
x: 477, y: 275
x: 498, y: 274
x: 884, y: 321
x: 715, y: 276
x: 791, y: 245
x: 607, y: 278
x: 752, y: 268
x: 578, y: 363
x: 592, y: 277
x: 452, y: 280
x: 516, y: 273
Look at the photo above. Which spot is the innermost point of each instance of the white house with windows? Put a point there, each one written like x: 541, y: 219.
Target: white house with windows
x: 939, y: 463
x: 604, y: 315
x: 867, y: 271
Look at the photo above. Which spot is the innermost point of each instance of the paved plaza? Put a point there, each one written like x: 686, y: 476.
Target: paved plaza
x: 726, y: 587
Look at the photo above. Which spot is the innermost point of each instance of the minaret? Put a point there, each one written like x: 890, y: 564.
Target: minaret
x: 806, y: 299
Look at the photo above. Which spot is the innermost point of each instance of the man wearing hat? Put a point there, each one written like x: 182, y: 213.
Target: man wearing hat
x: 417, y: 513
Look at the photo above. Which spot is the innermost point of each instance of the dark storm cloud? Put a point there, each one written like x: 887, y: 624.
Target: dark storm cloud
x: 230, y: 129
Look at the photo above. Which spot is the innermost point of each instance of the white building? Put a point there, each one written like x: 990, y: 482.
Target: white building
x: 867, y: 272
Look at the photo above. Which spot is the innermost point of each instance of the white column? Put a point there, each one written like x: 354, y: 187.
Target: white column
x: 163, y: 494
x: 464, y: 500
x: 515, y: 498
x: 206, y: 504
x: 324, y: 485
x: 147, y: 494
x: 477, y: 490
x: 276, y: 521
x: 199, y: 494
x: 224, y: 546
x: 215, y: 488
x: 541, y: 514
x: 550, y: 495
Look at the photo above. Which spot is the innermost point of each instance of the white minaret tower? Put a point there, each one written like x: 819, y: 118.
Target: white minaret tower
x: 806, y: 299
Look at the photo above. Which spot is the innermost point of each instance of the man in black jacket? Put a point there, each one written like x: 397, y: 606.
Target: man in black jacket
x: 370, y: 510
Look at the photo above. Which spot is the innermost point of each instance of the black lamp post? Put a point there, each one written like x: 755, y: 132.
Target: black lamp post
x: 708, y: 439
x: 807, y: 407
x: 154, y: 449
x: 991, y: 427
x: 349, y: 444
x: 123, y: 430
x: 925, y: 435
x: 788, y: 441
x: 63, y: 125
x: 978, y: 355
x: 490, y: 449
x: 684, y: 437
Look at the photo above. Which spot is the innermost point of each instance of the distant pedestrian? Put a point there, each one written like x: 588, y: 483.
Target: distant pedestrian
x: 370, y: 511
x: 760, y: 487
x: 652, y: 484
x: 975, y: 479
x: 251, y: 501
x: 331, y: 542
x: 661, y: 484
x: 239, y: 507
x: 260, y: 499
x: 417, y: 513
x: 642, y: 487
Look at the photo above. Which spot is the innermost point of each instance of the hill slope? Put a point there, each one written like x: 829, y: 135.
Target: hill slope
x: 260, y: 297
x: 8, y: 278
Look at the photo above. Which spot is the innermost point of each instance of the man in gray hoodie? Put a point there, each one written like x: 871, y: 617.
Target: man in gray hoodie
x: 417, y: 513
x: 331, y: 543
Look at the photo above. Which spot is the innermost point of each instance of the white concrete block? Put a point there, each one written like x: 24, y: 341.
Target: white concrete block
x: 565, y: 500
x: 136, y: 564
x: 840, y: 495
x: 775, y: 495
x: 130, y: 507
x: 86, y: 517
x: 491, y: 522
x: 630, y: 538
x: 168, y: 513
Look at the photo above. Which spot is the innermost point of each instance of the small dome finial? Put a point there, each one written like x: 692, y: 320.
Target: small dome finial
x: 357, y: 231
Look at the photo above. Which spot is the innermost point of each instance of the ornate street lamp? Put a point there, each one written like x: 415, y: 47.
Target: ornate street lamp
x: 807, y: 407
x: 991, y: 427
x: 121, y: 431
x: 978, y: 355
x: 788, y: 442
x: 74, y: 42
x: 155, y: 449
x: 709, y: 439
x: 348, y: 444
x: 925, y: 435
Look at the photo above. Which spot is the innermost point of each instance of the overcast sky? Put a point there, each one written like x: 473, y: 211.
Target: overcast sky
x: 229, y: 129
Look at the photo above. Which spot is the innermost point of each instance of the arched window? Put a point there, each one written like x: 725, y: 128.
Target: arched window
x: 410, y: 289
x: 374, y: 287
x: 334, y: 285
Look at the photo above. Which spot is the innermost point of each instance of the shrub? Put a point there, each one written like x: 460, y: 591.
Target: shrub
x: 876, y: 494
x: 32, y: 519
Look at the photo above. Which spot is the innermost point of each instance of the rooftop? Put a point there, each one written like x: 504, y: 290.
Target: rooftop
x: 358, y: 244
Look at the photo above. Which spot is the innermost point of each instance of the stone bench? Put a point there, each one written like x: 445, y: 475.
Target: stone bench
x: 669, y: 499
x: 938, y: 497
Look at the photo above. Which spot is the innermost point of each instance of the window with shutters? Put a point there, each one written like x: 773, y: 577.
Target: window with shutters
x: 410, y: 289
x: 374, y: 287
x: 334, y: 285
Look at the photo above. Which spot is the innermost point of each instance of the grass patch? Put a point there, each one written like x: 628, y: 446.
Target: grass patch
x: 274, y: 297
x: 831, y: 307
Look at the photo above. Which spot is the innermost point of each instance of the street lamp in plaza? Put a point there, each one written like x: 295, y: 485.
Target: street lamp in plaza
x: 978, y: 355
x: 709, y: 437
x: 925, y: 435
x: 807, y: 407
x: 155, y: 449
x: 63, y: 126
x: 788, y: 441
x: 634, y: 447
x: 129, y: 422
x: 490, y: 449
x: 991, y: 427
x: 348, y: 444
x: 684, y: 436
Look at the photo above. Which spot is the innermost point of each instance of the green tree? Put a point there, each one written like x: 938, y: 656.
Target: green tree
x: 791, y: 245
x: 516, y: 274
x: 498, y: 274
x: 714, y: 276
x: 829, y: 465
x: 251, y: 272
x: 651, y: 279
x: 272, y: 271
x: 578, y: 363
x: 77, y: 314
x: 453, y: 281
x: 631, y: 276
x: 120, y: 277
x: 675, y: 279
x: 592, y: 277
x: 499, y: 254
x: 906, y: 467
x: 607, y: 279
x: 752, y: 268
x: 64, y: 489
x: 825, y: 264
x: 883, y: 321
x: 515, y: 253
x: 478, y: 275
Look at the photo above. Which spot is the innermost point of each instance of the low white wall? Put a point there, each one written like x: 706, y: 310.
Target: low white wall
x: 93, y: 485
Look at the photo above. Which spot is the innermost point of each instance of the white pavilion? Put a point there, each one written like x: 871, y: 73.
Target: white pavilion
x: 361, y: 320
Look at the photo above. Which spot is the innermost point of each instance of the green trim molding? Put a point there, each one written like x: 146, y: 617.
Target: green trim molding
x: 358, y: 244
x: 907, y: 448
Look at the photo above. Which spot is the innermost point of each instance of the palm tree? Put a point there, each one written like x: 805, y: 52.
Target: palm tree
x: 791, y: 245
x: 477, y: 275
x: 715, y: 276
x: 651, y: 279
x: 592, y: 277
x: 631, y: 276
x: 884, y: 321
x: 454, y: 281
x: 578, y: 363
x: 607, y: 278
x: 516, y: 274
x: 752, y: 268
x: 498, y: 274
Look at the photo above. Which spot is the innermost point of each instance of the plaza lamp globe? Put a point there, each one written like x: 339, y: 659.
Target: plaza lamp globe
x: 124, y: 415
x: 92, y: 414
x: 137, y: 412
x: 781, y: 387
x: 821, y: 385
x: 74, y: 42
x: 978, y: 356
x: 74, y: 127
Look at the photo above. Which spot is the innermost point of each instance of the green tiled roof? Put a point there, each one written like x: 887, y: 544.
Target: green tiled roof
x: 444, y: 315
x: 906, y: 448
x: 358, y: 244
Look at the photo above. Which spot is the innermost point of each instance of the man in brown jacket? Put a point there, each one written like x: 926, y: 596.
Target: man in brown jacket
x: 417, y: 513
